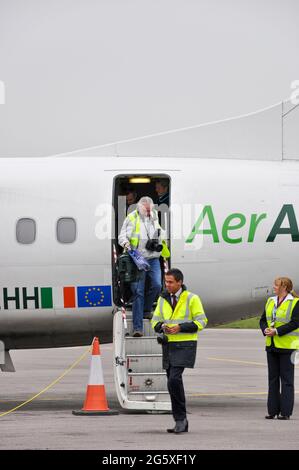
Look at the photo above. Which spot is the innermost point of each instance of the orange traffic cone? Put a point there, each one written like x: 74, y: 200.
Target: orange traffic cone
x: 95, y: 401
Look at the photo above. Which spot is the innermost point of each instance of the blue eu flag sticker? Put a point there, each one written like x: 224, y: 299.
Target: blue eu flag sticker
x: 94, y: 296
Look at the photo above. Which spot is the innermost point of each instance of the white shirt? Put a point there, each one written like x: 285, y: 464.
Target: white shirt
x: 177, y: 294
x: 275, y: 298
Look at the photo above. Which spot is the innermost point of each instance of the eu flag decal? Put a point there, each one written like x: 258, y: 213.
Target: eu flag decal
x: 94, y: 296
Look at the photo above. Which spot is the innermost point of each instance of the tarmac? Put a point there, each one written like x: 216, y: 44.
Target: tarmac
x: 226, y: 397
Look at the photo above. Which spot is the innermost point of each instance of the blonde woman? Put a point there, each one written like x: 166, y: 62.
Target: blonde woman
x: 280, y: 325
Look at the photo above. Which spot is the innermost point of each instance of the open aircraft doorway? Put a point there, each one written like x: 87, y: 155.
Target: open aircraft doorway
x: 127, y: 191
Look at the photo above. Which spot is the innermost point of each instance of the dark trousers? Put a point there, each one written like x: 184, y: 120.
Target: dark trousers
x: 176, y: 392
x: 281, y: 384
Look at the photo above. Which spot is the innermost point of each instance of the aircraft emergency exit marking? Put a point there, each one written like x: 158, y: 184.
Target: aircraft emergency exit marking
x: 237, y: 221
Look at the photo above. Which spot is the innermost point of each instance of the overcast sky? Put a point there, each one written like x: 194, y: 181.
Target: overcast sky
x: 79, y: 73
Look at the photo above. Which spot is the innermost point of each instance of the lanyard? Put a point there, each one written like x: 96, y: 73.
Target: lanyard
x: 273, y: 315
x: 275, y: 310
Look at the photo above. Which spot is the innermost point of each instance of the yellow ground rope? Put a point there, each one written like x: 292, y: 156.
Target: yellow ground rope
x: 50, y: 385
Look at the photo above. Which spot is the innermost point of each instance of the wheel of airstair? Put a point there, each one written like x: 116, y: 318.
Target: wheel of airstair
x: 140, y: 380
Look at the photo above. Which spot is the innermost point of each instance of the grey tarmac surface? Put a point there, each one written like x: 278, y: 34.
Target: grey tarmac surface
x: 226, y: 396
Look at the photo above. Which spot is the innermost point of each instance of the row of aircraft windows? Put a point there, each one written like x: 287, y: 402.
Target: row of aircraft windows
x: 66, y: 230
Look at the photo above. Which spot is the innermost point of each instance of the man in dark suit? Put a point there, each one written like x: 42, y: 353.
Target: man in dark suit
x: 178, y: 317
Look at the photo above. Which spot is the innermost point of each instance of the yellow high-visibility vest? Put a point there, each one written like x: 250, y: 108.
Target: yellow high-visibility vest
x: 134, y: 217
x: 188, y: 309
x: 281, y: 316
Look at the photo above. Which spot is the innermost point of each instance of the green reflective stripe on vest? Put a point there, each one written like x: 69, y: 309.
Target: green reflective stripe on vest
x: 293, y: 333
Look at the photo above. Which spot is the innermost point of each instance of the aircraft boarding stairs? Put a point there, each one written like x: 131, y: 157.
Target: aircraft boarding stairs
x: 140, y: 381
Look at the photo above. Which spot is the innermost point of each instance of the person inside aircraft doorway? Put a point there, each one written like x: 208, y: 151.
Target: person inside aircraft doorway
x: 131, y: 200
x: 162, y: 190
x: 141, y: 230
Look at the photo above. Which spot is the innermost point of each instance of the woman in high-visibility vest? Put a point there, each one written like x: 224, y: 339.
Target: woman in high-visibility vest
x: 280, y: 325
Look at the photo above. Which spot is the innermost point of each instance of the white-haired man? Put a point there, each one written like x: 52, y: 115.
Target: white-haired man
x: 141, y: 229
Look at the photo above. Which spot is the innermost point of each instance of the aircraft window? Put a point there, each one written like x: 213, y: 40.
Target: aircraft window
x: 26, y: 231
x: 66, y: 230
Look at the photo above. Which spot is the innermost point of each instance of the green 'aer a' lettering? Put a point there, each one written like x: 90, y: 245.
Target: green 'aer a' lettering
x: 287, y: 210
x: 207, y: 210
x: 254, y: 222
x: 227, y: 227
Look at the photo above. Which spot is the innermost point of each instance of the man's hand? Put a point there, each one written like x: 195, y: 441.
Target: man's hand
x: 127, y: 246
x: 270, y: 332
x: 172, y: 330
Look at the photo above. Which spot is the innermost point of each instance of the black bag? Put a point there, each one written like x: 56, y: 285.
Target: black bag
x: 127, y: 269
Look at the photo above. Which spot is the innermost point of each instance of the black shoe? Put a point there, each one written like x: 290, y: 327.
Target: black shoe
x: 283, y: 417
x: 170, y: 429
x: 180, y: 426
x: 270, y: 416
x: 184, y: 422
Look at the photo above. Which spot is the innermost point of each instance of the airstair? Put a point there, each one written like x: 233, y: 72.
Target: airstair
x: 140, y: 381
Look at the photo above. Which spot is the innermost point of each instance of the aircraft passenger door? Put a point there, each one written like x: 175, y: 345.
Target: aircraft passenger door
x: 127, y: 191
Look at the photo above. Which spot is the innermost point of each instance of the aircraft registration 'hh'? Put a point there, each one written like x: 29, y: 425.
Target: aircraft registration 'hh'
x: 232, y: 225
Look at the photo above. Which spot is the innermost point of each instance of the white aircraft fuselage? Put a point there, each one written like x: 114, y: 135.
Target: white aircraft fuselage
x: 233, y: 229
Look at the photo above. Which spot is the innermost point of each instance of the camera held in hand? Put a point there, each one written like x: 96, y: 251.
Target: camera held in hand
x: 162, y: 339
x: 153, y: 245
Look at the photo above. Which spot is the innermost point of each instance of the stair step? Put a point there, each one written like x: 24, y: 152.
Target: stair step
x: 138, y: 374
x: 144, y: 355
x: 145, y: 363
x: 141, y: 337
x: 149, y: 383
x: 156, y: 392
x: 150, y: 346
x: 140, y: 379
